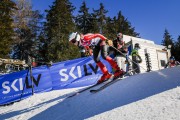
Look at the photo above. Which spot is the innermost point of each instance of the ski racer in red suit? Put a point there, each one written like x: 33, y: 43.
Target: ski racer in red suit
x: 98, y: 42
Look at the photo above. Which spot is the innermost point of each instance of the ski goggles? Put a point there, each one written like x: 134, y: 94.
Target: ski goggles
x: 74, y: 40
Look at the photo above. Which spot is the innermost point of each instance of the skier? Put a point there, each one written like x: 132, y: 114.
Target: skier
x: 136, y: 58
x: 172, y: 62
x: 98, y: 42
x: 119, y: 44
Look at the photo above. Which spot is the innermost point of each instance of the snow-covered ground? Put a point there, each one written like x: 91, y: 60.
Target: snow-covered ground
x: 149, y: 96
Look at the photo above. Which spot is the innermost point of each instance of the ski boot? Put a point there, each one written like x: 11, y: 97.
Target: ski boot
x: 104, y: 77
x: 118, y: 73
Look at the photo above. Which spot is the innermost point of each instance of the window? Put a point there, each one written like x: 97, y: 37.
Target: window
x: 163, y: 63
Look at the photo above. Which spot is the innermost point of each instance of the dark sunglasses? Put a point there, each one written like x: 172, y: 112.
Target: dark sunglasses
x: 73, y: 40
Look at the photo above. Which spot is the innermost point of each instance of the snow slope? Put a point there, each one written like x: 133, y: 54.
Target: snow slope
x: 148, y: 96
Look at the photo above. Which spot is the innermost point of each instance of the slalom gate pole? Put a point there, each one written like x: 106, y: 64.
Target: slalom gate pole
x: 31, y: 77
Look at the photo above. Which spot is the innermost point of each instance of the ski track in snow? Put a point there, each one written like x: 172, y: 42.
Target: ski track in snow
x: 151, y: 96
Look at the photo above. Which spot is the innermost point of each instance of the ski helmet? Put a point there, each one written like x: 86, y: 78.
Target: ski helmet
x: 172, y: 58
x: 74, y: 37
x: 137, y: 45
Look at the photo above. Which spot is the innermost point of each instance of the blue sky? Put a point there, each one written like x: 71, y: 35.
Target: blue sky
x: 149, y: 17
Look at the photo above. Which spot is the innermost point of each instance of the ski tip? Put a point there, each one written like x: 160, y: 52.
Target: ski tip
x: 73, y: 95
x: 93, y: 91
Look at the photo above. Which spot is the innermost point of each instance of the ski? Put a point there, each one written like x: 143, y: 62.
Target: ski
x: 82, y: 90
x: 110, y: 82
x: 105, y: 85
x: 87, y: 88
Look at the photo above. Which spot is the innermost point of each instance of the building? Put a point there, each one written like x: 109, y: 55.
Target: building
x: 158, y: 54
x: 12, y: 64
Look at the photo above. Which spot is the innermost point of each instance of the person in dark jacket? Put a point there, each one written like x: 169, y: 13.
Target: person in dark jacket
x: 119, y: 44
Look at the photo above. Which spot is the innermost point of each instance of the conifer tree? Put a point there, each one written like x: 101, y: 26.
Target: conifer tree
x: 94, y: 23
x: 168, y: 41
x: 119, y: 24
x: 58, y: 27
x: 6, y: 27
x: 110, y: 29
x: 124, y: 26
x: 177, y: 49
x: 101, y: 17
x: 27, y: 29
x: 83, y: 19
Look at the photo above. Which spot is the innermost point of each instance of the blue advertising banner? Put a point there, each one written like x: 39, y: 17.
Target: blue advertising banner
x: 68, y: 74
x: 76, y: 73
x: 18, y: 85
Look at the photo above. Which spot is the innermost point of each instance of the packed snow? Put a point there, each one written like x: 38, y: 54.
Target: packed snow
x: 148, y: 96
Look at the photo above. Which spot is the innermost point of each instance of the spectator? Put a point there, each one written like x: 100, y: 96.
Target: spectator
x: 172, y: 62
x: 119, y: 44
x: 136, y: 58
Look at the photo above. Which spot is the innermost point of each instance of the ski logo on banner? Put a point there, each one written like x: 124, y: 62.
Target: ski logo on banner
x: 17, y: 84
x: 65, y: 74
